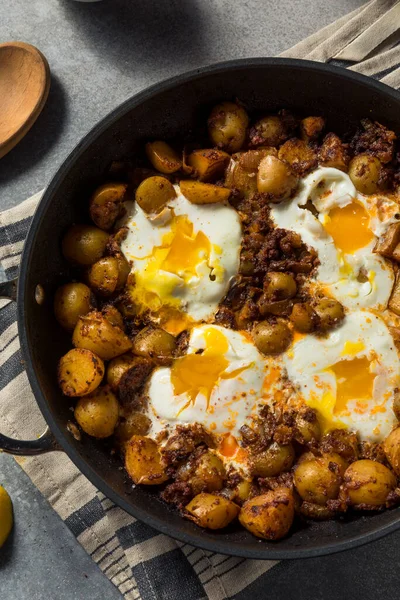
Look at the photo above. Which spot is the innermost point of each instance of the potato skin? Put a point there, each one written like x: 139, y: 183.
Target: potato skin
x: 83, y: 245
x: 318, y: 480
x: 270, y: 515
x: 143, y: 461
x: 103, y: 276
x: 276, y: 178
x: 134, y: 423
x: 71, y: 301
x: 206, y: 473
x: 154, y: 193
x: 155, y: 343
x: 211, y: 511
x: 367, y: 484
x: 80, y: 372
x: 273, y: 461
x: 118, y: 366
x: 391, y: 446
x: 163, y: 157
x: 94, y: 332
x: 365, y: 173
x: 97, y: 413
x: 105, y: 204
x: 227, y: 125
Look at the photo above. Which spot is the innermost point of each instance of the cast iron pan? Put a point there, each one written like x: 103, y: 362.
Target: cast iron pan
x: 167, y: 110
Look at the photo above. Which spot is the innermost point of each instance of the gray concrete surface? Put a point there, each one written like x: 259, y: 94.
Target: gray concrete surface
x: 100, y: 54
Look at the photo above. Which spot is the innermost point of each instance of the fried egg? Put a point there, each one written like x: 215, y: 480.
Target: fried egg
x: 342, y: 225
x: 349, y: 376
x: 218, y: 383
x: 183, y: 259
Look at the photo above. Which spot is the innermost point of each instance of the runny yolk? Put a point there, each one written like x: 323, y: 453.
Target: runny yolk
x: 195, y: 374
x: 185, y: 250
x: 354, y: 382
x: 349, y: 227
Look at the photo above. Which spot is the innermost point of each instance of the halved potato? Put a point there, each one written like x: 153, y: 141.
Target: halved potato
x: 208, y: 163
x: 270, y: 515
x: 211, y: 511
x: 143, y: 461
x: 105, y: 204
x: 94, y: 332
x: 387, y: 243
x: 80, y: 372
x: 204, y: 193
x: 163, y: 157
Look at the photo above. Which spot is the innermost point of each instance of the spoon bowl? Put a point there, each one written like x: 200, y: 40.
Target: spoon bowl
x: 24, y: 87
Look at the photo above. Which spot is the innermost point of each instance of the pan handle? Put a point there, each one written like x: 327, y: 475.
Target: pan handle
x: 46, y: 442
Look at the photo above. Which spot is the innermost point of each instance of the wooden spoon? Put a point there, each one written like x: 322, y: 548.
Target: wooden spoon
x: 24, y: 87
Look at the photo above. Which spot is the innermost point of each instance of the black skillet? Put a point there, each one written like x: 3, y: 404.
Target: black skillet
x: 171, y: 109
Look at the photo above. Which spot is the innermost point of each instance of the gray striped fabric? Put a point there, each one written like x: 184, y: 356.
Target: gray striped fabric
x: 139, y: 561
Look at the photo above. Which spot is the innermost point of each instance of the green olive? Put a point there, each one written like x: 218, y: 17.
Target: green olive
x: 330, y: 313
x: 103, y: 276
x: 307, y: 425
x: 318, y: 479
x: 279, y: 286
x: 368, y: 483
x: 392, y: 450
x: 303, y: 318
x: 272, y: 337
x: 154, y: 342
x: 154, y: 193
x: 365, y: 171
x: 269, y: 131
x: 227, y: 126
x: 71, y: 301
x: 275, y: 177
x: 274, y: 460
x: 83, y: 245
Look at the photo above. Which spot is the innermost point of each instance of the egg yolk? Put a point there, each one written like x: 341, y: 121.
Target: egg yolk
x: 195, y: 374
x: 172, y: 265
x: 349, y: 227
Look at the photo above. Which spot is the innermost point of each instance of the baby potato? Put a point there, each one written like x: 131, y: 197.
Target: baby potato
x: 311, y: 127
x: 154, y: 193
x: 279, y: 286
x: 80, y: 372
x: 318, y: 480
x: 163, y: 157
x: 94, y: 332
x: 117, y: 367
x: 113, y: 315
x: 204, y: 193
x: 83, y: 245
x: 241, y: 179
x: 105, y: 204
x: 97, y: 413
x: 368, y: 483
x: 206, y: 473
x: 208, y: 164
x: 134, y: 423
x: 330, y: 313
x: 270, y: 515
x: 212, y: 512
x: 303, y: 317
x: 143, y: 461
x: 71, y: 301
x: 124, y: 268
x: 299, y: 155
x: 103, y: 276
x: 391, y: 446
x: 269, y: 131
x: 272, y: 338
x: 276, y: 459
x: 364, y: 172
x: 155, y: 343
x: 275, y: 177
x: 227, y: 125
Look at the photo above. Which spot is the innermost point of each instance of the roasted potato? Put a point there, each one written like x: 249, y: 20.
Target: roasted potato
x: 274, y: 177
x: 97, y: 413
x: 307, y: 426
x: 143, y: 461
x: 155, y: 343
x: 269, y: 131
x: 333, y: 153
x: 154, y: 193
x: 272, y: 337
x: 103, y: 276
x: 71, y: 301
x: 163, y: 157
x: 80, y: 372
x: 94, y: 332
x: 124, y: 268
x: 311, y: 127
x: 365, y: 173
x: 105, y: 204
x: 391, y: 446
x: 387, y: 243
x: 208, y: 164
x: 204, y: 193
x: 117, y: 367
x: 238, y: 178
x: 250, y: 160
x: 299, y: 155
x: 205, y: 473
x: 367, y: 484
x: 83, y: 245
x: 318, y: 479
x: 133, y: 423
x: 342, y: 442
x: 304, y: 318
x: 227, y: 126
x: 113, y: 315
x: 330, y: 312
x: 270, y: 515
x: 212, y: 512
x: 276, y: 459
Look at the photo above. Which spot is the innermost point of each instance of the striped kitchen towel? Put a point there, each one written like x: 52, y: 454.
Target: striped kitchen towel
x: 139, y: 561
